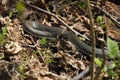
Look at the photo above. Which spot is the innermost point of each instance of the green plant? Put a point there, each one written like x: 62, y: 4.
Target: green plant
x: 10, y: 14
x: 100, y: 21
x: 113, y: 48
x: 98, y: 61
x: 82, y: 4
x: 22, y: 69
x: 48, y: 57
x: 112, y: 69
x: 20, y: 7
x: 2, y: 35
x: 42, y: 41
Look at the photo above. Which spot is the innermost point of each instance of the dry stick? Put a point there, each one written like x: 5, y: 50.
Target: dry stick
x: 93, y: 38
x: 41, y: 57
x: 39, y: 9
x: 7, y: 70
x: 103, y: 63
x: 107, y: 14
x: 82, y: 74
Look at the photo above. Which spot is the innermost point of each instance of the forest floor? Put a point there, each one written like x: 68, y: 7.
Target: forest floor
x: 24, y: 56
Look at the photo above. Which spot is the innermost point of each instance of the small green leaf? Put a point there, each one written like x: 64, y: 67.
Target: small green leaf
x: 4, y: 30
x: 43, y: 40
x: 10, y: 14
x: 20, y: 6
x: 112, y: 73
x: 112, y: 47
x: 113, y: 65
x: 83, y: 5
x: 99, y: 18
x: 1, y: 38
x: 98, y: 62
x: 105, y: 69
x: 2, y: 35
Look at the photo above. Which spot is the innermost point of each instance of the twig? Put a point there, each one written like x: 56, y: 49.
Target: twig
x: 47, y: 12
x: 93, y: 38
x: 7, y: 69
x: 103, y: 64
x: 41, y: 57
x: 82, y: 74
x: 107, y: 14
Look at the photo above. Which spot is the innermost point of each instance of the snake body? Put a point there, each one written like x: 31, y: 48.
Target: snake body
x: 38, y: 30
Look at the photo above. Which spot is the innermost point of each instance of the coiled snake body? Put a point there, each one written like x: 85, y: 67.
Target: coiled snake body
x: 38, y: 29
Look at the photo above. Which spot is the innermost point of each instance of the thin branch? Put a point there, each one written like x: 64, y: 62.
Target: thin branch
x: 93, y: 38
x: 82, y: 74
x: 41, y: 57
x: 103, y: 63
x: 107, y: 14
